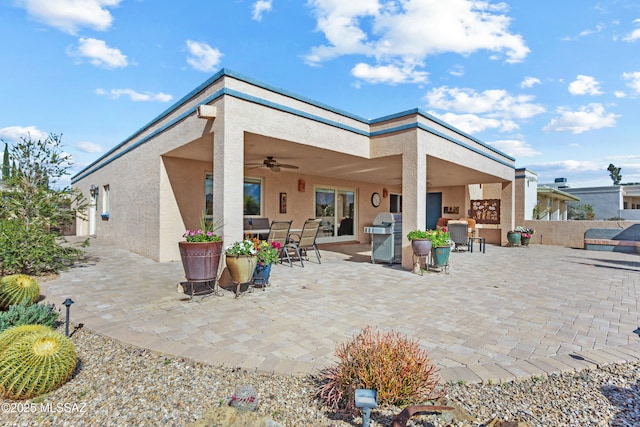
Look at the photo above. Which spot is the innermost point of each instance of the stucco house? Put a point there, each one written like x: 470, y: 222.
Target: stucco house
x: 220, y: 146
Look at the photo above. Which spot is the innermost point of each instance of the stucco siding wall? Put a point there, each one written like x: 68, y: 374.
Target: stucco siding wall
x: 569, y: 233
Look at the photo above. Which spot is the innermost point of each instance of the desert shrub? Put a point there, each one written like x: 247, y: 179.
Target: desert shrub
x: 35, y: 360
x: 388, y: 362
x: 34, y: 314
x: 18, y: 289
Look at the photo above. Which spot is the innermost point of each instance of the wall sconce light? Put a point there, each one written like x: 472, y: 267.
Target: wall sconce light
x: 206, y: 111
x: 366, y: 399
x: 385, y: 193
x: 93, y: 190
x: 67, y: 303
x: 301, y: 185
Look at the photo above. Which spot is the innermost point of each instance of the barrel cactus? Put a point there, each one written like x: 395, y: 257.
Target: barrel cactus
x: 36, y: 360
x: 10, y: 335
x: 18, y: 288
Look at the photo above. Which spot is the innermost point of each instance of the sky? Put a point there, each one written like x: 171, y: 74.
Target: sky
x: 555, y: 84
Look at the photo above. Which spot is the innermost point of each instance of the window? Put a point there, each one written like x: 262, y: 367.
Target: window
x: 395, y: 201
x: 208, y: 197
x: 105, y: 202
x: 252, y: 197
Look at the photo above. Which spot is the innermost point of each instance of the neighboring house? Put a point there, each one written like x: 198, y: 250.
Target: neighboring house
x: 614, y: 201
x: 553, y: 204
x: 216, y: 151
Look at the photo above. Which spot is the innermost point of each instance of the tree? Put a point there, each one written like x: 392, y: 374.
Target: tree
x: 614, y: 173
x: 6, y: 168
x: 580, y: 212
x: 33, y: 211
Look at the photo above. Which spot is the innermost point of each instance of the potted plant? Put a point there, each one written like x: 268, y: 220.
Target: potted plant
x: 514, y: 237
x: 267, y: 254
x: 441, y: 246
x: 241, y: 261
x: 420, y: 242
x: 200, y: 253
x: 525, y: 235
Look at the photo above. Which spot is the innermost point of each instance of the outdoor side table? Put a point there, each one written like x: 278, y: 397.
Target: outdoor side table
x: 482, y: 242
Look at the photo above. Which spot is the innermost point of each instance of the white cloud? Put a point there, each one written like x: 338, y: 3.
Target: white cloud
x: 469, y: 123
x: 584, y: 85
x: 89, y: 147
x: 70, y: 15
x: 388, y: 74
x: 634, y: 35
x: 202, y: 56
x: 457, y: 70
x: 99, y: 54
x: 633, y: 79
x: 514, y: 148
x: 135, y: 96
x: 529, y: 82
x: 260, y: 7
x: 407, y: 32
x: 619, y: 94
x: 587, y: 117
x: 14, y: 133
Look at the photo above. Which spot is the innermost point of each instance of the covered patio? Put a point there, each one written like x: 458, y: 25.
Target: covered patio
x: 198, y: 155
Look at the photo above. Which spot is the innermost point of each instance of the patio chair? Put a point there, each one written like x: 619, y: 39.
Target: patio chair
x: 305, y: 240
x: 279, y: 232
x: 459, y: 233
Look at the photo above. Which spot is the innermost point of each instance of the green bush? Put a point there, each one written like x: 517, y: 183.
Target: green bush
x: 388, y: 362
x: 34, y: 360
x: 34, y: 314
x: 33, y: 250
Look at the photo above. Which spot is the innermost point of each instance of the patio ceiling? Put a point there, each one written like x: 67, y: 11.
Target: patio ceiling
x: 320, y: 162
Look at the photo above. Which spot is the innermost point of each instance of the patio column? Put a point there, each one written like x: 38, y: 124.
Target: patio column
x: 414, y: 195
x: 507, y: 210
x: 228, y: 177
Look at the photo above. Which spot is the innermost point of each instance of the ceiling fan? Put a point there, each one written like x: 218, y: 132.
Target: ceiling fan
x: 272, y: 164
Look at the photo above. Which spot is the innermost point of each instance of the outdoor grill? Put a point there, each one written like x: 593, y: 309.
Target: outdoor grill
x: 386, y: 237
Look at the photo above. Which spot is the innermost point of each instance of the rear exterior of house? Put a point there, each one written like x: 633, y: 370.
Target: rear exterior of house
x: 191, y: 161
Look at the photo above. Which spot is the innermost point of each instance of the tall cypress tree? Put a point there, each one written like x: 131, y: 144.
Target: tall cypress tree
x: 5, y: 163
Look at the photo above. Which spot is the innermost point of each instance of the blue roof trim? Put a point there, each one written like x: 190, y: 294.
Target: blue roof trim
x: 441, y: 123
x: 421, y: 126
x: 292, y: 95
x: 293, y: 111
x: 100, y: 162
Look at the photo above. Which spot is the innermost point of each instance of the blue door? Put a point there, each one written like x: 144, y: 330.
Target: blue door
x: 434, y: 207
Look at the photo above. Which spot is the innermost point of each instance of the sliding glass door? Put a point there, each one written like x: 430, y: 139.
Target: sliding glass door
x: 335, y: 208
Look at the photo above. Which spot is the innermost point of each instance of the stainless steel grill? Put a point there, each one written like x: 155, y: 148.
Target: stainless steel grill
x: 386, y: 237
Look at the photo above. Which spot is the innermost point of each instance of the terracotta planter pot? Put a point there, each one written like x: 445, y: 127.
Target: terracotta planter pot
x: 200, y: 260
x: 241, y: 267
x: 421, y: 247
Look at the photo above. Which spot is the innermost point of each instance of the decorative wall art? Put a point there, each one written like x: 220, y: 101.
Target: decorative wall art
x: 283, y: 202
x: 486, y: 211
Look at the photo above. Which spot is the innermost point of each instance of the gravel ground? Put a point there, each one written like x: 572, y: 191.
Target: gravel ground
x: 118, y: 385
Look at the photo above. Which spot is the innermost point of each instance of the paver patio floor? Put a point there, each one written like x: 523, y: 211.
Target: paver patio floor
x: 505, y: 314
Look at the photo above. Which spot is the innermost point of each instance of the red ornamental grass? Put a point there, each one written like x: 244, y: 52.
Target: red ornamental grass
x: 388, y: 362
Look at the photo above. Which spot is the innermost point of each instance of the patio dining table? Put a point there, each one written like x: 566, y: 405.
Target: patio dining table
x: 256, y: 231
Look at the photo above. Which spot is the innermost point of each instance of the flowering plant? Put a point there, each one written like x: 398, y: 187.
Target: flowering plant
x: 524, y: 232
x: 243, y: 247
x: 267, y: 253
x: 201, y: 236
x: 440, y: 237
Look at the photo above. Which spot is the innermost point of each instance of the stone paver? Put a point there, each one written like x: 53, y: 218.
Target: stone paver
x: 498, y: 316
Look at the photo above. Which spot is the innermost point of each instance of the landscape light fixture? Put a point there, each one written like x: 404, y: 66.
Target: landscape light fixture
x: 366, y: 399
x: 93, y: 190
x: 67, y: 303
